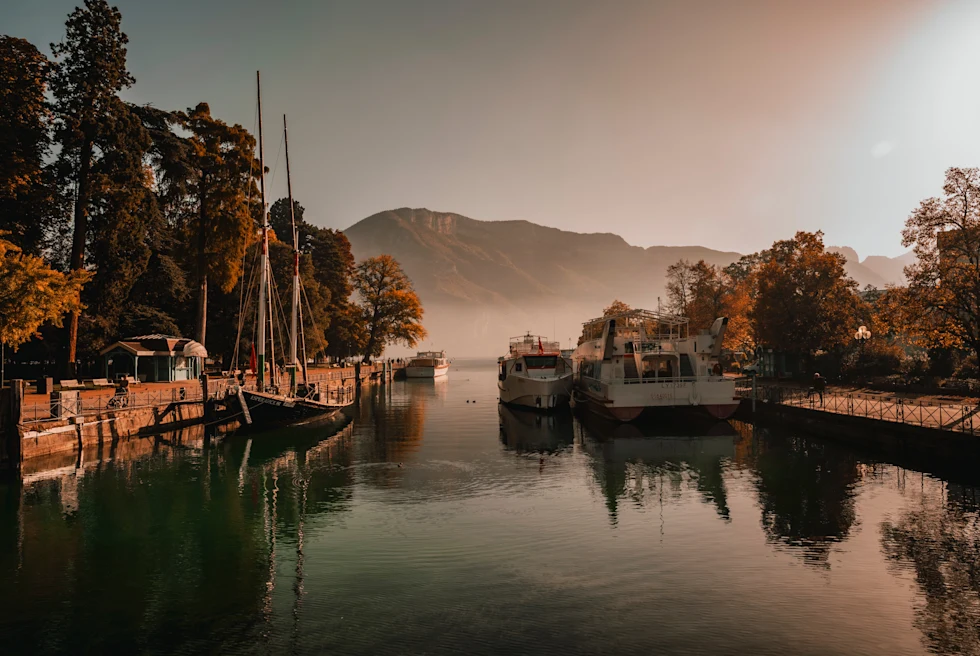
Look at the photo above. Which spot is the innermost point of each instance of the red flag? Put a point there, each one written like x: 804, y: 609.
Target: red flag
x: 540, y: 347
x: 252, y: 364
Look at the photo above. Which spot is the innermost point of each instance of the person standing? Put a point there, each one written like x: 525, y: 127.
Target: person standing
x: 819, y: 385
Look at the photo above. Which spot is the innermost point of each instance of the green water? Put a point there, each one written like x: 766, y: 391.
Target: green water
x: 435, y: 525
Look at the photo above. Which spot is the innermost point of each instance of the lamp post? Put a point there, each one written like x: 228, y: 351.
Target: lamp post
x: 862, y: 334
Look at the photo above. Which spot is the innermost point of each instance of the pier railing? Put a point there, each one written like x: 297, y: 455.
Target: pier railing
x: 951, y: 416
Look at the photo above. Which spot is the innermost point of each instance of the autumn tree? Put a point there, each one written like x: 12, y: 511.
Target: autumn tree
x: 804, y: 299
x: 703, y: 292
x: 220, y: 219
x: 90, y: 73
x: 944, y: 281
x: 27, y: 190
x: 391, y: 310
x: 616, y: 307
x: 32, y: 293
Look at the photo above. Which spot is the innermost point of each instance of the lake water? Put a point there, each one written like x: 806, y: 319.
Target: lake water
x: 438, y: 523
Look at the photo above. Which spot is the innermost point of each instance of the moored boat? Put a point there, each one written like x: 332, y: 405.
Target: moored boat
x: 640, y: 361
x: 292, y: 401
x: 534, y: 374
x: 427, y: 364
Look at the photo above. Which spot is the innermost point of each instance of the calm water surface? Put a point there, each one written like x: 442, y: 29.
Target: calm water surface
x: 435, y: 525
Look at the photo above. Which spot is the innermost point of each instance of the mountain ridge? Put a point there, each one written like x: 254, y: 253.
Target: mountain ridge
x: 493, y: 279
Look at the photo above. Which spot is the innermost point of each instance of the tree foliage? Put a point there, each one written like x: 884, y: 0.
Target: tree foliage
x: 220, y: 220
x: 390, y: 309
x: 944, y: 283
x: 804, y: 299
x: 32, y: 293
x: 703, y: 292
x: 27, y: 190
x: 90, y: 72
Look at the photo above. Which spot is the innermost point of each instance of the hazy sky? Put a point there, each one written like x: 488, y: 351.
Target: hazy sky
x: 725, y: 123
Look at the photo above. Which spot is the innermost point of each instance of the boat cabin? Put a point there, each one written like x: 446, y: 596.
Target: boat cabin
x: 641, y: 345
x: 429, y: 359
x: 532, y: 357
x: 154, y: 358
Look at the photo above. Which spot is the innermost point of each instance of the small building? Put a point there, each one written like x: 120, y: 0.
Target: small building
x: 154, y: 358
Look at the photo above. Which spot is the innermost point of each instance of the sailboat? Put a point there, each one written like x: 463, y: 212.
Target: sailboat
x: 269, y: 403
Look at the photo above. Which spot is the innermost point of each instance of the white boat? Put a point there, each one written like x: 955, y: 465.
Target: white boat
x: 533, y: 374
x: 640, y: 361
x: 427, y: 364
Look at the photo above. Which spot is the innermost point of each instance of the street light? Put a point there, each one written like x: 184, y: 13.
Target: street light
x: 862, y: 334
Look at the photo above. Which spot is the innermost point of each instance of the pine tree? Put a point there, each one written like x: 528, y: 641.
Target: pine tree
x: 27, y: 199
x: 90, y: 73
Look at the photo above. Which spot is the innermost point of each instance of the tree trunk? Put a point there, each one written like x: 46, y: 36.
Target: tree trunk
x: 202, y: 276
x: 78, y: 245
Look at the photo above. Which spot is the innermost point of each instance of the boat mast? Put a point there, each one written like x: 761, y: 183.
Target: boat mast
x: 264, y: 264
x: 293, y: 332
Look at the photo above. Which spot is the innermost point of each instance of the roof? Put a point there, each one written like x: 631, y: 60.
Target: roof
x: 643, y: 315
x: 170, y: 345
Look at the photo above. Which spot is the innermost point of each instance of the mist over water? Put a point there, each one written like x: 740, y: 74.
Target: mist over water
x: 438, y: 522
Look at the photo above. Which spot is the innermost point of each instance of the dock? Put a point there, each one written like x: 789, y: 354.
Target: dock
x: 941, y: 428
x: 71, y: 421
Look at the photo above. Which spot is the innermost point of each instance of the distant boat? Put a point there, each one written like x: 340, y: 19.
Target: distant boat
x: 640, y: 361
x: 427, y: 364
x: 273, y: 402
x: 534, y: 374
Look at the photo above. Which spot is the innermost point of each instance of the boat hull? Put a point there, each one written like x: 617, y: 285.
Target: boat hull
x: 536, y: 393
x: 267, y: 409
x: 626, y: 402
x: 413, y: 371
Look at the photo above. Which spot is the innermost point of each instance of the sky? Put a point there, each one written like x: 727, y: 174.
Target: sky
x: 723, y: 123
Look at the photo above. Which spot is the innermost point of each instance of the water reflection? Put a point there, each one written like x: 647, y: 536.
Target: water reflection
x: 806, y: 490
x: 647, y: 462
x: 177, y: 546
x: 937, y: 539
x: 526, y: 431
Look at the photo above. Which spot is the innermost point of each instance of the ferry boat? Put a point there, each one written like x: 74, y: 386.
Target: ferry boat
x: 427, y: 364
x: 639, y: 361
x: 534, y: 374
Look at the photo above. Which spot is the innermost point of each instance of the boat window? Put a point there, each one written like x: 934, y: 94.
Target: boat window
x: 686, y: 369
x: 518, y: 367
x: 540, y: 361
x: 628, y: 348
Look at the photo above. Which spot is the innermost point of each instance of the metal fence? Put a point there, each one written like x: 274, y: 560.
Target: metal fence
x: 952, y: 416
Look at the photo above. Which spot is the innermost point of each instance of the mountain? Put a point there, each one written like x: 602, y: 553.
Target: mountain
x: 483, y: 281
x: 876, y: 270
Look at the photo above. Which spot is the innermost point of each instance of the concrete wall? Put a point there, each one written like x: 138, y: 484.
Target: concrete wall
x: 93, y: 430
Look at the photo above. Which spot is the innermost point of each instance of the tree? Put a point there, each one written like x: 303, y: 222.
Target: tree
x: 703, y: 292
x: 333, y: 268
x: 390, y: 308
x: 90, y: 73
x: 32, y: 293
x: 27, y: 198
x: 221, y: 218
x: 678, y: 286
x: 804, y: 300
x: 616, y: 307
x: 124, y: 221
x: 944, y: 282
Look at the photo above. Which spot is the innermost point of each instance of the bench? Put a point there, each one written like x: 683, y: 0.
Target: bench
x: 102, y: 382
x: 129, y: 379
x: 71, y: 384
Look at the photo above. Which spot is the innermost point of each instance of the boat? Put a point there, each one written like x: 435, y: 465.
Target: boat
x: 427, y: 364
x: 641, y: 362
x: 274, y: 401
x: 534, y: 374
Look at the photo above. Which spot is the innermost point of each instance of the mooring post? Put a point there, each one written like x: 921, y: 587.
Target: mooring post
x: 204, y: 397
x: 753, y: 395
x: 13, y: 432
